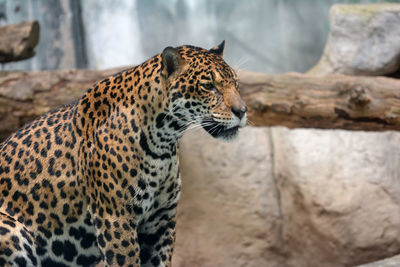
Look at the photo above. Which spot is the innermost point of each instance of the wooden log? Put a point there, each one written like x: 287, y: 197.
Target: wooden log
x: 17, y: 41
x: 292, y: 100
x: 336, y: 101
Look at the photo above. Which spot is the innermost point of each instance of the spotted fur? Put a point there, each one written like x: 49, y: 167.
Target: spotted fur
x: 99, y: 179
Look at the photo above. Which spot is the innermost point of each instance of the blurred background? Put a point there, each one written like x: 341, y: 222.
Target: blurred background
x: 261, y: 35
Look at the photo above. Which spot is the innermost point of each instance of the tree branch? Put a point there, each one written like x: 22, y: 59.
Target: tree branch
x: 327, y: 102
x: 17, y: 41
x: 292, y: 100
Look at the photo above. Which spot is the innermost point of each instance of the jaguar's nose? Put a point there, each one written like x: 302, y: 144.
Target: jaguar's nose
x: 239, y: 111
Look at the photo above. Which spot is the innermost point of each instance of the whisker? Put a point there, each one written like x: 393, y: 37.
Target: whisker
x: 239, y: 64
x: 249, y: 122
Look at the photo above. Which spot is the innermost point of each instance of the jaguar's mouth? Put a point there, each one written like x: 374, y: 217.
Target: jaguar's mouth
x: 217, y: 130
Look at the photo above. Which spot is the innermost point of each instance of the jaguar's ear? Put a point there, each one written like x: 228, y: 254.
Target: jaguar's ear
x: 172, y: 62
x: 218, y: 49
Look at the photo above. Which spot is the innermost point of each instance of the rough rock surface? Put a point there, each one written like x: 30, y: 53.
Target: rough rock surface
x: 301, y: 198
x: 364, y: 40
x: 228, y: 214
x: 339, y: 195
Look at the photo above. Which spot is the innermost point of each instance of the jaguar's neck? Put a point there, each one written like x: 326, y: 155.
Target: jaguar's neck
x: 135, y: 105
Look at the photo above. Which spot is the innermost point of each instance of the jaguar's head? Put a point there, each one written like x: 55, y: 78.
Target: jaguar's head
x: 203, y: 90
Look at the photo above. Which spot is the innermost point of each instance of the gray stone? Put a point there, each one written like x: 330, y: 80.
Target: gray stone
x: 364, y: 40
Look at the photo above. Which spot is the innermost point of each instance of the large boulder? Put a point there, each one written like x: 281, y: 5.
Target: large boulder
x: 279, y: 197
x: 228, y: 214
x: 364, y: 40
x: 339, y: 195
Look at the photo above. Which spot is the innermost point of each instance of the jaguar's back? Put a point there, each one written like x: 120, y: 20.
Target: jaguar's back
x: 40, y: 196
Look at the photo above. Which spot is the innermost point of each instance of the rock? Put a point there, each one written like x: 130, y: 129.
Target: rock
x: 364, y: 40
x: 390, y: 262
x: 228, y: 214
x: 304, y: 198
x: 339, y: 195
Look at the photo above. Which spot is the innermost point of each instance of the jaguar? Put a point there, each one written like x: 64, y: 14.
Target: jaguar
x: 98, y: 180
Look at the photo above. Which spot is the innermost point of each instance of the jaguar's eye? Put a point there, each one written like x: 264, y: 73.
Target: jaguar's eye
x: 208, y: 86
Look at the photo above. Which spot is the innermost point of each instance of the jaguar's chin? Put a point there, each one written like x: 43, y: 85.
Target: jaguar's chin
x: 219, y: 131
